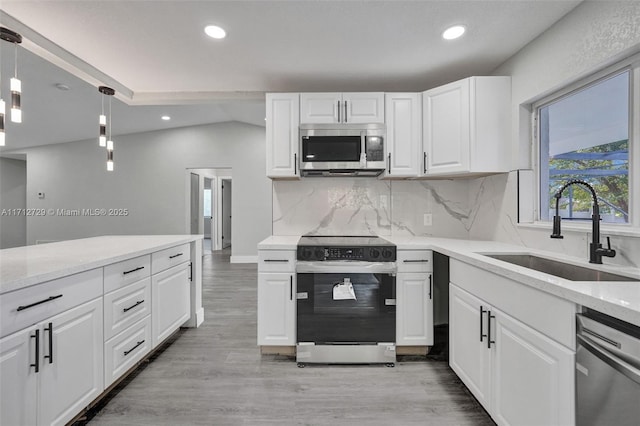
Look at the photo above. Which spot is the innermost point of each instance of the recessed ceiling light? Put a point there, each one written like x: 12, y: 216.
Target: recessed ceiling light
x: 166, y: 118
x: 214, y: 31
x: 454, y: 32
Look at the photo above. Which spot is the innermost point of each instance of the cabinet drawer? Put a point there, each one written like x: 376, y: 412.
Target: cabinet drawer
x: 125, y: 306
x: 415, y: 261
x: 126, y: 272
x: 123, y: 351
x: 276, y: 260
x: 170, y: 257
x: 25, y: 307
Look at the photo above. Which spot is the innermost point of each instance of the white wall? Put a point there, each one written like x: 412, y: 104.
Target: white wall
x: 13, y: 181
x: 149, y: 181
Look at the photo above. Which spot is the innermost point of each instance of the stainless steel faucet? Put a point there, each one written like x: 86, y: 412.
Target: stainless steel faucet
x: 596, y: 251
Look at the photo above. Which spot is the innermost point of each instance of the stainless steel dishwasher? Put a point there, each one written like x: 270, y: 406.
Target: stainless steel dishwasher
x: 607, y: 371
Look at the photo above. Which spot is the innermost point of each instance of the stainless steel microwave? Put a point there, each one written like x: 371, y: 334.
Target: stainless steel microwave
x: 342, y: 150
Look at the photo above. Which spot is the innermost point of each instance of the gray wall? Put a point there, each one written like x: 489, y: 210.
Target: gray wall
x: 13, y: 195
x: 150, y: 180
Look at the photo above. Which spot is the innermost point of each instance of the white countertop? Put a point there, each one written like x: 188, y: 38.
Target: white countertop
x: 24, y: 266
x: 618, y: 299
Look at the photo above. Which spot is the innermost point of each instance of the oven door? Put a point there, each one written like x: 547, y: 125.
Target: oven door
x: 365, y: 316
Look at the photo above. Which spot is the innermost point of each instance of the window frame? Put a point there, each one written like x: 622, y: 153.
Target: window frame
x: 631, y: 64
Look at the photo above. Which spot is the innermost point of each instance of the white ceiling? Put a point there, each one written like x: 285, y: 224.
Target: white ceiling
x: 155, y: 53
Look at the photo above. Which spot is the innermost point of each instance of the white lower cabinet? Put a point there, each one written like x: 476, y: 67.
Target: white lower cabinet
x: 414, y: 309
x: 519, y: 375
x: 170, y: 296
x: 277, y: 309
x: 50, y: 371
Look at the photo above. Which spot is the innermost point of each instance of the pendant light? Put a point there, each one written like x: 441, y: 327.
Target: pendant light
x: 15, y: 84
x: 102, y: 119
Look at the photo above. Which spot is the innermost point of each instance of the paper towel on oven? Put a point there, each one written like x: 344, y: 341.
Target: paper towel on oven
x: 344, y: 290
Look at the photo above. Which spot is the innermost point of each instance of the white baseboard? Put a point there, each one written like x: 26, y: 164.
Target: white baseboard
x: 244, y: 259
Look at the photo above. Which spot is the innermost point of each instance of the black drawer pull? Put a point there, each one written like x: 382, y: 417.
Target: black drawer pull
x: 133, y: 306
x: 276, y: 260
x: 416, y: 261
x: 22, y: 308
x: 36, y: 365
x: 133, y: 270
x: 50, y: 330
x: 133, y: 348
x: 175, y: 255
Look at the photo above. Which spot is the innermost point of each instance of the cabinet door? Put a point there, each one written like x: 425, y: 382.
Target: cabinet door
x: 71, y: 373
x: 404, y: 125
x: 18, y: 378
x: 366, y: 107
x: 533, y: 376
x: 276, y: 309
x: 469, y: 356
x: 414, y: 309
x: 446, y: 127
x: 321, y: 108
x: 170, y: 301
x: 282, y: 134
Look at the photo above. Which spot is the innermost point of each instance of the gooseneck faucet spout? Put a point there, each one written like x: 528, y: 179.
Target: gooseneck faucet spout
x: 596, y: 251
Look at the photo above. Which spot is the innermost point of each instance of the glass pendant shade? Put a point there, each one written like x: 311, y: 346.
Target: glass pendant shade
x: 2, y: 109
x: 16, y: 91
x: 110, y: 159
x: 102, y: 139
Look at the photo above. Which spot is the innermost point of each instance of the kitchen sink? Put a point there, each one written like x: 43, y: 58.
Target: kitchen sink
x: 559, y: 269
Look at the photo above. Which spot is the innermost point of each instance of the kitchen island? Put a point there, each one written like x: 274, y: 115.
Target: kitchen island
x: 79, y: 315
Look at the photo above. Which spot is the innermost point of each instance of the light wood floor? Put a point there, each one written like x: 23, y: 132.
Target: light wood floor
x: 214, y: 375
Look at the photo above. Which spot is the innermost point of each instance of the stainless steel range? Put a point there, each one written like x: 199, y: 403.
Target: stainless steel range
x: 346, y: 300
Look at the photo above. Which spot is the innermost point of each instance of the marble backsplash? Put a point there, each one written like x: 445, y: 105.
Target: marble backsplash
x: 481, y: 208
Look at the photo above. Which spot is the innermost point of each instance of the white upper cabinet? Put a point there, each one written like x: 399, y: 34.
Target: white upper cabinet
x: 283, y: 117
x: 327, y: 108
x: 404, y: 139
x: 466, y: 127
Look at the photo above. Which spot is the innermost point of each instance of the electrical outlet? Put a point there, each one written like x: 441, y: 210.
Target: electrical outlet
x: 427, y: 219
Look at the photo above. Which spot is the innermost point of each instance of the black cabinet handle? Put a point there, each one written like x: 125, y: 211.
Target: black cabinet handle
x: 345, y: 111
x: 339, y: 112
x: 430, y: 287
x: 277, y: 260
x: 190, y: 271
x: 36, y: 365
x: 290, y: 287
x: 424, y: 162
x: 416, y: 261
x: 133, y: 306
x: 175, y: 255
x: 50, y: 331
x: 133, y: 348
x: 482, y: 335
x: 489, y: 341
x: 133, y: 270
x: 389, y: 163
x: 22, y: 308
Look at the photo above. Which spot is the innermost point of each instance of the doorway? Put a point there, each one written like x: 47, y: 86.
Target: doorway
x: 209, y: 211
x: 226, y: 212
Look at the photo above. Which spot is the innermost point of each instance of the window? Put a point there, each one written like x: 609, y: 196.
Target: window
x: 585, y: 135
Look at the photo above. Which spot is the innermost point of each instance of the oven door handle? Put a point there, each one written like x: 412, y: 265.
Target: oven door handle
x: 348, y: 266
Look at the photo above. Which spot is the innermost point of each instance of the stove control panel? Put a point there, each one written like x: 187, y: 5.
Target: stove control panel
x: 366, y: 254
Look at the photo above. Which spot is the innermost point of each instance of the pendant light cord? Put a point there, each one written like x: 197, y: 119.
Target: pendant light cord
x: 15, y: 70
